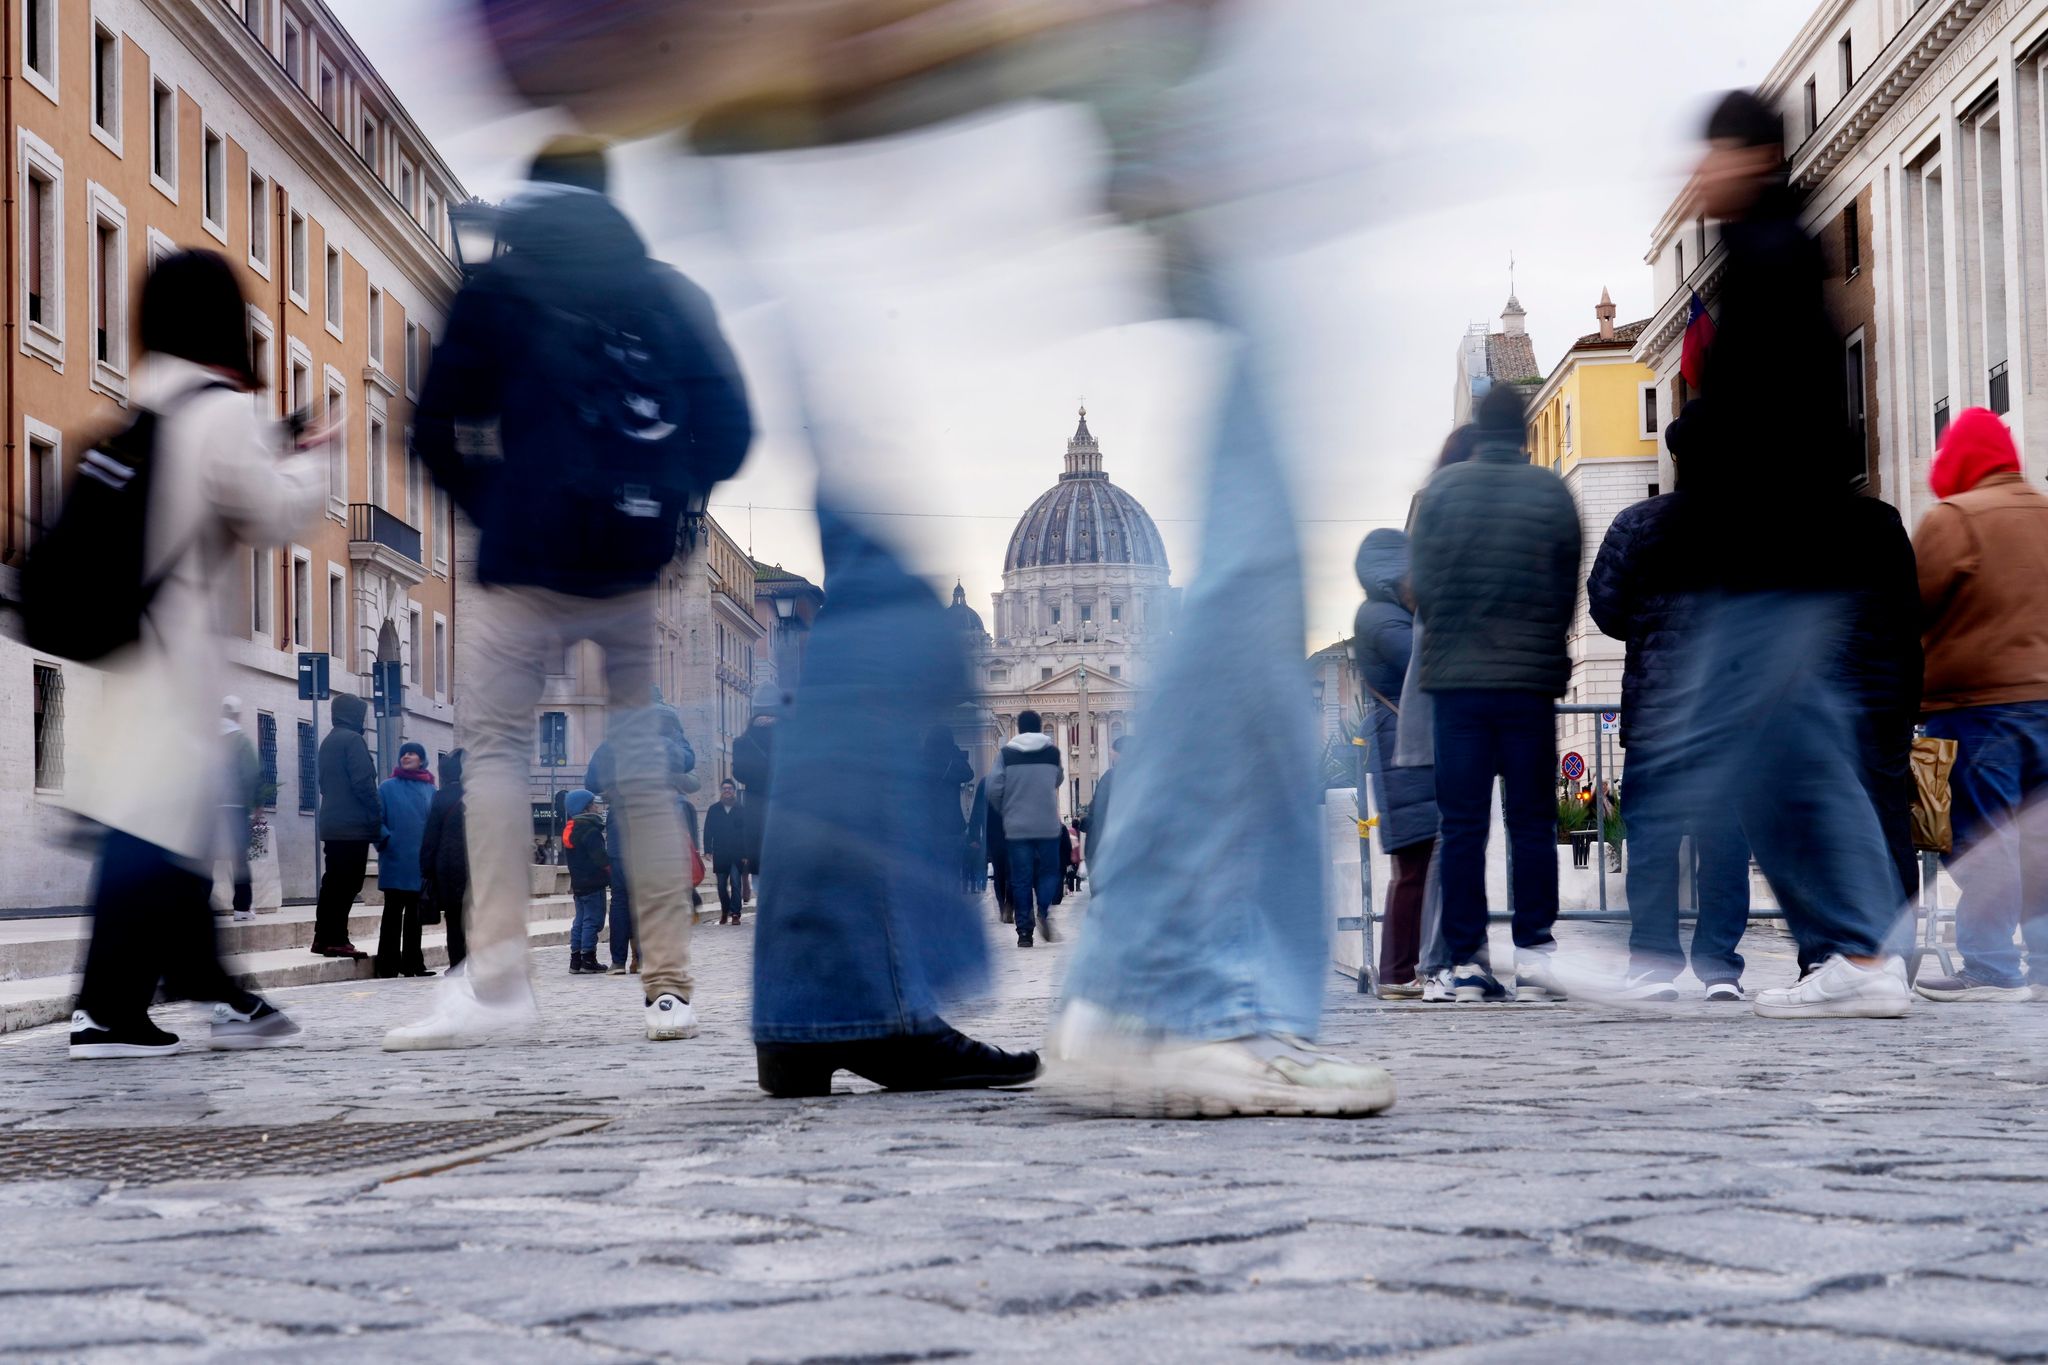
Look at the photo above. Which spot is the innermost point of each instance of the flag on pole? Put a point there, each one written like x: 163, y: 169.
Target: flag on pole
x: 1699, y: 339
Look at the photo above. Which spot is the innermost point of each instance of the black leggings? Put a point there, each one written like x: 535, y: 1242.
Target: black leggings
x: 152, y: 921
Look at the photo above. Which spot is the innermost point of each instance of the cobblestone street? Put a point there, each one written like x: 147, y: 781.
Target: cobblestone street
x: 1557, y: 1183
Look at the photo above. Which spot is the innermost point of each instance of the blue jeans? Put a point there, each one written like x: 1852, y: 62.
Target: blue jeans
x: 621, y: 935
x: 863, y: 929
x: 1720, y: 880
x: 1209, y: 919
x: 1034, y: 867
x: 589, y: 919
x: 2001, y: 762
x: 1481, y: 735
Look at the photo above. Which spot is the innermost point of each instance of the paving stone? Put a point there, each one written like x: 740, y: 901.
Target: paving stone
x: 1813, y: 1249
x: 1999, y: 1319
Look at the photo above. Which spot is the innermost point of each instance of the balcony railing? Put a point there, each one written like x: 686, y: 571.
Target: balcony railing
x: 371, y: 524
x: 1940, y: 416
x: 2001, y: 390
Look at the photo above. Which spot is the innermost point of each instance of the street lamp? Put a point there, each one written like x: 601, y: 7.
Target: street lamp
x: 475, y: 226
x: 785, y: 607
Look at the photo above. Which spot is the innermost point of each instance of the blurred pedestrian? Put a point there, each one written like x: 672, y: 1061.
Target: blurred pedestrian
x: 1634, y: 595
x: 998, y: 855
x: 1382, y: 636
x: 601, y: 777
x: 725, y: 839
x: 753, y: 763
x: 1983, y: 566
x: 348, y: 823
x: 1766, y: 729
x: 444, y: 861
x: 1071, y: 848
x: 949, y: 770
x: 1495, y: 580
x: 1096, y: 823
x: 590, y: 871
x: 242, y: 775
x: 1025, y: 790
x: 149, y: 771
x: 580, y: 399
x: 404, y: 799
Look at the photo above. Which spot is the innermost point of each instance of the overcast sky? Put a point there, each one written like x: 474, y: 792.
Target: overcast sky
x: 953, y: 296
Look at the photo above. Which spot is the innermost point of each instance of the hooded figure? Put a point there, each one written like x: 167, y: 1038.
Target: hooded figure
x: 444, y: 859
x: 350, y: 820
x: 753, y: 766
x: 1382, y: 640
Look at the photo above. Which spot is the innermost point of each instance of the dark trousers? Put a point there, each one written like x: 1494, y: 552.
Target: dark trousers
x: 1034, y: 870
x: 398, y: 937
x: 620, y: 931
x: 458, y: 937
x: 342, y: 881
x: 1657, y: 821
x: 730, y: 897
x: 152, y: 921
x: 1401, y: 930
x: 1481, y: 735
x: 2002, y: 868
x: 235, y: 830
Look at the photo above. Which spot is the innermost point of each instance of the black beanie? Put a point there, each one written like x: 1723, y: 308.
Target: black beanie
x: 1747, y: 121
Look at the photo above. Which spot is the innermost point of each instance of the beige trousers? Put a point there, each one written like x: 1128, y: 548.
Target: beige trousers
x: 510, y: 634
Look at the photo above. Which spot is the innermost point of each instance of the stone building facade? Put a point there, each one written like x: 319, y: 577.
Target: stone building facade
x: 258, y: 130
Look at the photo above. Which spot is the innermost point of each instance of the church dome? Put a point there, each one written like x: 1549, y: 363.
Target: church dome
x: 1084, y: 518
x: 962, y: 617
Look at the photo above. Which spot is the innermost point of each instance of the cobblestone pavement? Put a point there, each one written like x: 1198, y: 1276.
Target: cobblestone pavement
x: 1557, y: 1183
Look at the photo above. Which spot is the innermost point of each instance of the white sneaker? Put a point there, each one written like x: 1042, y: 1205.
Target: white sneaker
x: 461, y: 1020
x: 670, y: 1017
x: 1839, y: 989
x: 244, y: 917
x: 1437, y: 988
x: 1725, y: 990
x: 1096, y: 1062
x: 1647, y: 986
x: 1536, y: 975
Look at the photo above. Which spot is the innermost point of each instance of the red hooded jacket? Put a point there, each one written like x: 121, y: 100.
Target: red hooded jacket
x: 1976, y: 445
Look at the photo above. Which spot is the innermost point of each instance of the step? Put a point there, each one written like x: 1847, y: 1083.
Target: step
x: 53, y: 947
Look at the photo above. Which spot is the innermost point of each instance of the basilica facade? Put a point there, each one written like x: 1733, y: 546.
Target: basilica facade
x: 1086, y: 600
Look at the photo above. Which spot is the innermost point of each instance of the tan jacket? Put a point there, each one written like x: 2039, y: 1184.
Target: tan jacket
x: 1984, y: 595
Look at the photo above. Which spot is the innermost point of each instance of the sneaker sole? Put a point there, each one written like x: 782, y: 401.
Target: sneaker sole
x: 443, y: 1042
x: 673, y: 1034
x: 1978, y: 995
x: 1836, y: 1009
x: 100, y: 1052
x: 1537, y: 995
x: 252, y: 1042
x: 1142, y: 1092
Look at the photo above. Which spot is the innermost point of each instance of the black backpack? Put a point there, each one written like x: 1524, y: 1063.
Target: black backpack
x: 85, y: 592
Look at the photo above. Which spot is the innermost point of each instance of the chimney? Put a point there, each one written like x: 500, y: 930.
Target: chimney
x: 1605, y: 312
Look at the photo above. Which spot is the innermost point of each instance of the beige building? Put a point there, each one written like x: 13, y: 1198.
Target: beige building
x: 255, y: 129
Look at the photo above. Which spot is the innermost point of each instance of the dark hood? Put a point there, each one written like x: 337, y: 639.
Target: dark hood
x: 350, y: 711
x: 1382, y: 564
x: 573, y: 249
x: 451, y: 771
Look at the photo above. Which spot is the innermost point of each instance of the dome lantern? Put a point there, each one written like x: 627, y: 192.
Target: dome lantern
x: 1084, y: 518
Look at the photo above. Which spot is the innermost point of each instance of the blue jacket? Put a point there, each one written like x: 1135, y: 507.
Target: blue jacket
x: 1382, y: 640
x: 404, y: 804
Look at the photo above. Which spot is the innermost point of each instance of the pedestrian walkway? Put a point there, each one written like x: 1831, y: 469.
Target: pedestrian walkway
x: 1556, y: 1182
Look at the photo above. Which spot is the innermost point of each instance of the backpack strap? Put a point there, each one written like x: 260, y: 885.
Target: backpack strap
x: 151, y: 587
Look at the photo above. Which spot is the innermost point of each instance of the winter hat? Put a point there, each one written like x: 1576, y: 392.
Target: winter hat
x: 1976, y: 445
x: 1501, y: 412
x: 770, y: 700
x: 413, y: 746
x: 1742, y: 118
x: 350, y: 710
x: 577, y: 802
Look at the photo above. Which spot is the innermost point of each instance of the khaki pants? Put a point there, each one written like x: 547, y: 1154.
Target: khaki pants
x: 511, y: 632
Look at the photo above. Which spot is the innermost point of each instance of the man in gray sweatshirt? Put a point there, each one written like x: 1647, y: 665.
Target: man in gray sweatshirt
x: 1025, y: 790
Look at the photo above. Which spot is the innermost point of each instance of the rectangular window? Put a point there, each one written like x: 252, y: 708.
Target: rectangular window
x: 296, y: 279
x: 337, y: 449
x: 441, y: 658
x: 108, y: 290
x: 266, y: 760
x: 374, y: 452
x: 1116, y: 670
x: 213, y: 189
x: 337, y: 619
x: 45, y: 483
x: 376, y: 325
x: 1045, y: 675
x: 163, y: 138
x: 40, y: 260
x: 431, y: 218
x: 415, y: 484
x: 301, y: 387
x: 1087, y: 614
x: 1650, y: 423
x: 1811, y: 98
x: 334, y: 291
x: 1854, y: 377
x: 309, y: 767
x: 440, y: 515
x: 302, y: 601
x: 370, y: 145
x: 259, y: 221
x: 1852, y: 242
x: 330, y: 105
x: 416, y: 650
x: 1116, y: 611
x: 405, y: 186
x: 294, y: 50
x: 259, y: 593
x: 1845, y: 60
x: 49, y: 722
x: 412, y: 358
x: 106, y: 83
x: 39, y: 43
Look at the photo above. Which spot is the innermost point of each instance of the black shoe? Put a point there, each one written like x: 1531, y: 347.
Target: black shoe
x: 1023, y: 940
x: 92, y: 1040
x: 946, y: 1060
x: 1045, y: 927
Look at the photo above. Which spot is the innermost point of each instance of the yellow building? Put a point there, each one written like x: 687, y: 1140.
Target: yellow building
x: 1595, y: 421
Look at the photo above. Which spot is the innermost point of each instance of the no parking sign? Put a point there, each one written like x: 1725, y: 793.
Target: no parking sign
x: 1573, y: 766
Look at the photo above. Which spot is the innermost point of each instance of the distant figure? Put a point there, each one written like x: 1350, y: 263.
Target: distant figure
x: 404, y: 799
x: 998, y: 854
x: 1983, y: 556
x: 602, y: 779
x: 148, y: 774
x: 590, y: 871
x: 242, y: 775
x: 1096, y: 825
x: 1070, y: 852
x: 444, y: 860
x: 753, y: 763
x: 1025, y: 790
x: 1495, y: 575
x: 725, y: 839
x: 349, y: 822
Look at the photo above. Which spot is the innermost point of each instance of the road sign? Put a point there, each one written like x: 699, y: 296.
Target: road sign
x: 1573, y: 767
x: 554, y: 739
x: 387, y: 688
x: 313, y: 677
x: 1610, y: 722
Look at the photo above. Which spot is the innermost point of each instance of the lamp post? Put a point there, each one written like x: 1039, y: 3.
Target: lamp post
x: 475, y: 225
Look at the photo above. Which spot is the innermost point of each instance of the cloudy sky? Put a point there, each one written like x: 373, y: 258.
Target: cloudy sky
x: 948, y: 299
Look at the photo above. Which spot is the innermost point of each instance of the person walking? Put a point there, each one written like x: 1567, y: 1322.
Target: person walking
x: 949, y: 769
x: 148, y: 772
x: 1983, y: 572
x: 601, y: 777
x: 725, y: 839
x: 1495, y: 579
x: 590, y: 872
x: 613, y: 403
x: 444, y: 861
x: 1382, y: 636
x: 242, y: 775
x: 753, y: 764
x: 1634, y: 596
x: 998, y: 854
x: 1096, y: 824
x: 349, y: 822
x: 404, y: 799
x: 1025, y: 791
x: 1765, y: 726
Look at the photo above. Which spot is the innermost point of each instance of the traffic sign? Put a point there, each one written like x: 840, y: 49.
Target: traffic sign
x: 313, y: 677
x: 387, y: 688
x: 554, y: 739
x: 1610, y: 722
x: 1573, y: 767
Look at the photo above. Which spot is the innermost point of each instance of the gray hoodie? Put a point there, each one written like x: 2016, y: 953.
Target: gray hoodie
x: 1025, y: 787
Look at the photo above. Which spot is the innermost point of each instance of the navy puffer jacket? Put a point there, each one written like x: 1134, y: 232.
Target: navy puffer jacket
x: 1634, y: 596
x: 1382, y: 638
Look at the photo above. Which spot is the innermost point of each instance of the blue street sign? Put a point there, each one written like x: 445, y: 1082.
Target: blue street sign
x: 387, y: 688
x: 313, y: 677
